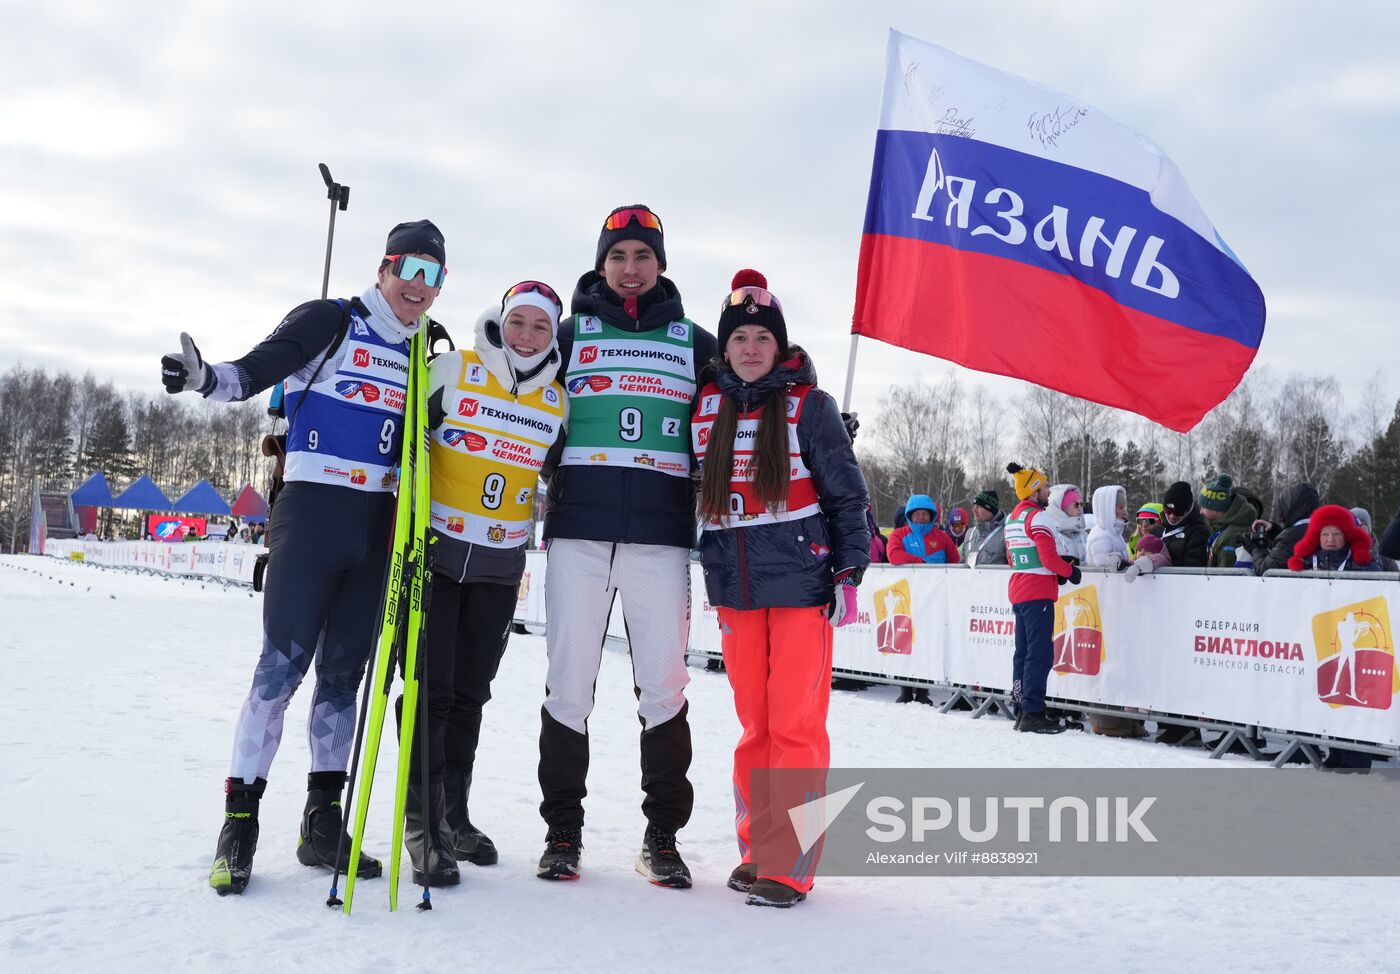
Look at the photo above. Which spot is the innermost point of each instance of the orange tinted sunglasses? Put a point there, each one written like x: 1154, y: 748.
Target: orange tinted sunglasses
x: 619, y: 219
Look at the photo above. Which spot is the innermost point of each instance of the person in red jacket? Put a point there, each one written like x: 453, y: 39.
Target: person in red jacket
x: 1037, y: 571
x: 921, y: 540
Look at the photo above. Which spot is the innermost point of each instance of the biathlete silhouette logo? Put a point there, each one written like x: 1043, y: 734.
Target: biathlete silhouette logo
x: 474, y: 442
x: 350, y: 388
x: 1356, y: 656
x: 595, y: 382
x: 1078, y: 634
x: 894, y: 619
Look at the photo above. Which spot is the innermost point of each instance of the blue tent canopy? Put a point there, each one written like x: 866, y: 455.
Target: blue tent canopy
x: 143, y: 495
x: 94, y: 492
x: 202, y: 498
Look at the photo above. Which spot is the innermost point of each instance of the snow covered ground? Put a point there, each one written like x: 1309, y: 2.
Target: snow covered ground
x: 118, y: 702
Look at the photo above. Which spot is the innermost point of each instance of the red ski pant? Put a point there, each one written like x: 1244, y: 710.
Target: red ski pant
x: 779, y: 664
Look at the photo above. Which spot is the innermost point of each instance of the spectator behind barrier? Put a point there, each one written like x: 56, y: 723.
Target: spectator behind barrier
x: 1186, y: 536
x: 1363, y: 518
x: 1333, y: 542
x: 986, y: 539
x: 1390, y: 541
x: 877, y: 540
x: 1107, y: 547
x: 1271, y: 544
x: 1149, y: 521
x: 921, y: 541
x: 1065, y: 517
x: 1229, y: 512
x: 1152, y: 555
x: 957, y: 526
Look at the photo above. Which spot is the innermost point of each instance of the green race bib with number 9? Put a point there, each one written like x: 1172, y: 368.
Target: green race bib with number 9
x: 630, y: 396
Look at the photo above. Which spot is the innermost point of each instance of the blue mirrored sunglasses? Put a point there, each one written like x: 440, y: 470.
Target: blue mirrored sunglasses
x: 407, y: 267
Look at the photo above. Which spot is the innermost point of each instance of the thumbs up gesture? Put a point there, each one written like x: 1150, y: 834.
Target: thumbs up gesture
x: 184, y: 370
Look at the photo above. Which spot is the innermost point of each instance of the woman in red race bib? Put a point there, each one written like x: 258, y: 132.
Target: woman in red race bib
x: 784, y: 544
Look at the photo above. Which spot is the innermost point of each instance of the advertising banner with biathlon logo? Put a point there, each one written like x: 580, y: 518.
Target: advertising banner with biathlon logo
x: 999, y: 206
x: 1309, y: 655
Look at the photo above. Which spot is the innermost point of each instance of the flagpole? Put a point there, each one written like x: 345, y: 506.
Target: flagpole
x: 850, y: 373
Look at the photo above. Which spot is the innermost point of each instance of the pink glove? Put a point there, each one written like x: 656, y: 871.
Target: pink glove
x: 842, y: 610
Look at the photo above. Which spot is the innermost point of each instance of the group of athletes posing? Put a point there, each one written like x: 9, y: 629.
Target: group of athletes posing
x: 618, y: 406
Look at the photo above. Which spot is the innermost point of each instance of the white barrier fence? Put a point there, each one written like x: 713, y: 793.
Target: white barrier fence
x: 1313, y: 656
x: 212, y: 559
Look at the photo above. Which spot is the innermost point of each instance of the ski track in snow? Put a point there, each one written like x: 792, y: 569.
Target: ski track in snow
x: 119, y: 703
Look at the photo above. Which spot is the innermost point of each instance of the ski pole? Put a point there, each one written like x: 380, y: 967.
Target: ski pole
x: 340, y: 199
x: 339, y: 195
x: 333, y: 900
x: 427, y: 598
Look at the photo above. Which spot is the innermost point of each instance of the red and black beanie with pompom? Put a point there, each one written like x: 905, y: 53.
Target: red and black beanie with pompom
x: 1331, y: 516
x: 749, y: 302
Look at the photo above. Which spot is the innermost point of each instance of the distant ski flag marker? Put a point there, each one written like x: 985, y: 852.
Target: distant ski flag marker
x: 810, y: 820
x: 1013, y: 229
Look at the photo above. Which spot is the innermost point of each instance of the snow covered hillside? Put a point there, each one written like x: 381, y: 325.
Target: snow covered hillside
x: 119, y: 699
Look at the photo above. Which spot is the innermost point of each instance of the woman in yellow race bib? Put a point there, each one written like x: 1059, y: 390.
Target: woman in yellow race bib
x: 494, y: 410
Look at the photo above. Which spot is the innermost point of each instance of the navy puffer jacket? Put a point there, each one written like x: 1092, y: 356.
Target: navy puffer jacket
x: 792, y: 563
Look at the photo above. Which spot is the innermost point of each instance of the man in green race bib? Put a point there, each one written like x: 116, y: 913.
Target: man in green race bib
x: 621, y: 518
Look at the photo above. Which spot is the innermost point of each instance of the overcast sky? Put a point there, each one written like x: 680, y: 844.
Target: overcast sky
x: 158, y: 160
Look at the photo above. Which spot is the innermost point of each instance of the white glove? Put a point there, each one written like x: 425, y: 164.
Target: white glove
x: 1140, y: 567
x: 184, y: 371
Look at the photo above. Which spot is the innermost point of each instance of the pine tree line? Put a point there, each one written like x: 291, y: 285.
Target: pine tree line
x: 61, y: 428
x: 947, y: 438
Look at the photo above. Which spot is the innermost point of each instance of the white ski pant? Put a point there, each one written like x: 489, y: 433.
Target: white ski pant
x: 654, y: 582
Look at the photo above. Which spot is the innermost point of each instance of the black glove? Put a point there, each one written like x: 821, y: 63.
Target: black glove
x: 852, y: 424
x: 1074, y: 575
x: 185, y: 371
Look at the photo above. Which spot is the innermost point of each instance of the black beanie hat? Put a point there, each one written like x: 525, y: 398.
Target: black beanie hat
x: 750, y: 312
x: 1179, y: 499
x: 418, y: 237
x: 653, y: 237
x: 988, y: 501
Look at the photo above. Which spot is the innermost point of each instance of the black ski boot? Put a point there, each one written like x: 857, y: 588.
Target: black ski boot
x: 561, y: 854
x: 470, y: 844
x: 1037, y: 722
x: 323, y: 827
x: 770, y: 892
x: 434, y: 864
x: 238, y: 840
x: 906, y: 695
x: 743, y: 877
x: 659, y: 861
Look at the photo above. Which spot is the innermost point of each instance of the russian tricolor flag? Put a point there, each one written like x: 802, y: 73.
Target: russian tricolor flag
x: 1013, y: 229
